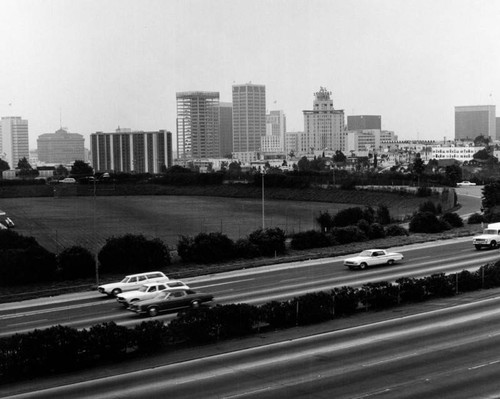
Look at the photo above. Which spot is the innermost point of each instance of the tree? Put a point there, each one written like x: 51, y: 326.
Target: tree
x: 81, y: 168
x: 303, y: 164
x: 418, y: 166
x: 234, y: 168
x: 4, y: 165
x: 25, y: 169
x: 61, y: 171
x: 482, y: 141
x: 339, y: 156
x: 453, y: 173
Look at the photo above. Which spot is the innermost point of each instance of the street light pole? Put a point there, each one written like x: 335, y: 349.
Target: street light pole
x: 263, y: 219
x: 95, y: 238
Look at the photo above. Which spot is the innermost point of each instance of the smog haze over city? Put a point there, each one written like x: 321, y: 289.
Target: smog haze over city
x: 93, y: 65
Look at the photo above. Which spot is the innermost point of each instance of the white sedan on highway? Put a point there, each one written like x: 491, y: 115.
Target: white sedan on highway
x: 373, y: 257
x: 148, y: 291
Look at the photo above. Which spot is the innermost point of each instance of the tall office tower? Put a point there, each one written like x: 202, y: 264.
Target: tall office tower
x: 226, y: 129
x: 364, y: 122
x: 14, y: 140
x: 475, y: 120
x: 276, y: 127
x: 249, y: 116
x: 323, y: 125
x: 198, y: 124
x: 129, y: 151
x: 61, y: 147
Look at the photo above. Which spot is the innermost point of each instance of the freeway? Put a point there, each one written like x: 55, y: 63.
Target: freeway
x: 255, y: 286
x: 447, y: 353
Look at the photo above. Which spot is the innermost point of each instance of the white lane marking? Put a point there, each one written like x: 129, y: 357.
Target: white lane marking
x: 27, y: 322
x: 376, y: 393
x: 390, y: 359
x: 50, y: 310
x: 226, y: 283
x: 484, y: 365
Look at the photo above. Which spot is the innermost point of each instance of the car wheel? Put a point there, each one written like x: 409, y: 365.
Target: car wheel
x: 390, y: 262
x: 195, y: 304
x: 362, y: 266
x: 153, y: 311
x: 116, y: 292
x: 493, y: 244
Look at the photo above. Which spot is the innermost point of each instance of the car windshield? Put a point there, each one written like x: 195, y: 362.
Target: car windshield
x: 366, y: 253
x: 144, y: 288
x: 125, y: 280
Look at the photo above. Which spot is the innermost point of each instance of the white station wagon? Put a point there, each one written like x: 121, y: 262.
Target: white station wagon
x: 148, y: 291
x: 131, y: 282
x: 373, y: 257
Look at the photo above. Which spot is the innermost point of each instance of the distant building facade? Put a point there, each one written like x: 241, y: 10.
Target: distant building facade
x: 198, y: 124
x: 14, y: 140
x: 131, y: 151
x: 249, y: 117
x: 364, y: 122
x: 275, y: 132
x: 475, y: 120
x: 292, y: 142
x: 61, y: 147
x: 323, y: 125
x: 226, y: 129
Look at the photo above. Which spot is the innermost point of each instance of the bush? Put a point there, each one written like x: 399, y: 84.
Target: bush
x: 346, y: 235
x: 314, y: 308
x: 109, y: 340
x: 364, y: 226
x: 26, y: 265
x: 411, y: 290
x: 75, y: 262
x: 325, y: 220
x: 476, y: 218
x: 376, y: 230
x: 133, y: 254
x: 439, y: 285
x: 428, y: 206
x: 150, y: 336
x: 396, y: 230
x: 425, y: 222
x: 269, y: 241
x: 279, y: 314
x: 245, y: 249
x: 382, y: 215
x: 9, y: 239
x: 345, y: 301
x: 423, y: 192
x: 380, y: 295
x: 453, y: 219
x: 212, y: 247
x: 311, y: 239
x: 348, y: 217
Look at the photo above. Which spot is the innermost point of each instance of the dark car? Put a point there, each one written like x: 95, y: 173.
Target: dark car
x: 170, y: 301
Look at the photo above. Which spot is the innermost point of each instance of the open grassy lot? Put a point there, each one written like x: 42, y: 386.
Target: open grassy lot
x: 60, y: 222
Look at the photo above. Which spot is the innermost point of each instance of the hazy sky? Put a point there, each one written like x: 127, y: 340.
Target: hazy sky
x: 106, y: 63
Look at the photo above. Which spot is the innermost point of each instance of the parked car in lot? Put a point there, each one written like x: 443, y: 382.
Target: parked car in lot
x: 131, y: 282
x: 170, y: 301
x: 148, y: 291
x: 373, y: 257
x: 67, y: 180
x: 465, y: 183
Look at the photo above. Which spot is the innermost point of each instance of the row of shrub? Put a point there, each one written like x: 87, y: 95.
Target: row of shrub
x: 62, y: 349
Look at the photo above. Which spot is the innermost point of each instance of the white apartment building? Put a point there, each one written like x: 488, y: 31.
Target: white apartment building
x: 14, y: 140
x: 452, y: 152
x: 275, y: 127
x: 323, y: 125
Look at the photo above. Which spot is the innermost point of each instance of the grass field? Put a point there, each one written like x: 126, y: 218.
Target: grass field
x: 58, y: 223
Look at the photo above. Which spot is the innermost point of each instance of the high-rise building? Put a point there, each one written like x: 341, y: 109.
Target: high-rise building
x: 475, y: 120
x: 131, y: 151
x: 198, y: 125
x: 14, y: 140
x: 275, y: 132
x: 61, y: 147
x: 249, y: 117
x: 323, y: 125
x: 226, y: 129
x: 364, y: 122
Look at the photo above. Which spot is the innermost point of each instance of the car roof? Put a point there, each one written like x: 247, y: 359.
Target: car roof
x: 164, y: 282
x: 141, y: 274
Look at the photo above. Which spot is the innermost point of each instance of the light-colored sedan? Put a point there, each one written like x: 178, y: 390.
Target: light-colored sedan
x: 465, y: 183
x: 373, y: 257
x: 148, y: 291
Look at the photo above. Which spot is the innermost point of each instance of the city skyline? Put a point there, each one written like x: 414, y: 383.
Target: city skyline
x: 93, y: 66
